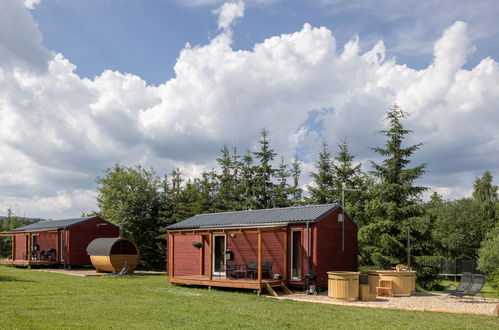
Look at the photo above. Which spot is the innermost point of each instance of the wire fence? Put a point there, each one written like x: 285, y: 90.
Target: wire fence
x: 455, y: 267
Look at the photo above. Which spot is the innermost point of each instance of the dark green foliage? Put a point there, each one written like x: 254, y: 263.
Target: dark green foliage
x: 282, y: 189
x: 356, y: 184
x: 295, y: 191
x: 488, y: 257
x: 461, y: 225
x: 129, y: 197
x: 323, y: 190
x: 263, y: 185
x: 394, y: 205
x: 427, y: 272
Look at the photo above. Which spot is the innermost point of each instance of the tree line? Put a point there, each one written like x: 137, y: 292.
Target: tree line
x: 385, y: 202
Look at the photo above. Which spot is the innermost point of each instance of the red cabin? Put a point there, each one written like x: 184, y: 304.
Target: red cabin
x: 57, y: 241
x: 251, y: 249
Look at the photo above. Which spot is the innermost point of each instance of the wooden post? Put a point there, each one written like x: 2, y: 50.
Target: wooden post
x: 210, y: 251
x: 58, y: 247
x: 168, y: 257
x: 13, y: 247
x: 259, y: 256
x: 201, y: 254
x: 29, y: 249
x: 172, y: 257
x: 285, y: 271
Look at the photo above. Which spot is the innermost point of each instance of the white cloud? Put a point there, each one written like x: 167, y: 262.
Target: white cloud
x: 58, y: 131
x: 228, y: 13
x: 30, y: 4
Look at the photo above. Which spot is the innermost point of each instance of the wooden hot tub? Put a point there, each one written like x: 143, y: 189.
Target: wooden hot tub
x: 343, y: 286
x: 116, y: 254
x: 403, y: 282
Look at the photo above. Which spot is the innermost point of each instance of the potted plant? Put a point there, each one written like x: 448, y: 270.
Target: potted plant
x: 197, y: 244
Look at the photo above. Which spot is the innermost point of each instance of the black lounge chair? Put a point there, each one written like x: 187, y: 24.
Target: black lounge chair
x: 475, y: 289
x: 476, y: 286
x: 463, y: 285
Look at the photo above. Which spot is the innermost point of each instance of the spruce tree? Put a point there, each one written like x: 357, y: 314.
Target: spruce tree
x: 282, y: 188
x: 227, y: 198
x: 295, y: 190
x: 247, y: 182
x: 395, y: 206
x: 353, y: 181
x: 263, y: 186
x: 323, y: 190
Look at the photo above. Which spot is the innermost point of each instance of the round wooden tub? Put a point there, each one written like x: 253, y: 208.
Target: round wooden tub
x: 116, y: 254
x: 403, y: 282
x: 343, y: 286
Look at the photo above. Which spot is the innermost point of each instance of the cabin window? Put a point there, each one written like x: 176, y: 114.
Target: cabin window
x: 219, y: 255
x: 296, y: 255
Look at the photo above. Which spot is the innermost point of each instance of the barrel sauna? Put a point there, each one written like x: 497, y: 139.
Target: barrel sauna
x: 113, y: 255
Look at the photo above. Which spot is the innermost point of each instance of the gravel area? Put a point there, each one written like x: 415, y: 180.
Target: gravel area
x: 92, y: 272
x: 416, y: 302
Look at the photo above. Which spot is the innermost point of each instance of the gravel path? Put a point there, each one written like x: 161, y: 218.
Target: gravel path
x: 416, y: 302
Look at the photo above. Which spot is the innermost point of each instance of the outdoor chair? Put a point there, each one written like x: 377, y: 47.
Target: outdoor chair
x: 230, y: 269
x: 252, y: 268
x: 267, y: 269
x: 476, y: 286
x: 463, y: 285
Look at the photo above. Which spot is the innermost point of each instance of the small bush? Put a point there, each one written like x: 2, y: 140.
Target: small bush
x: 427, y: 272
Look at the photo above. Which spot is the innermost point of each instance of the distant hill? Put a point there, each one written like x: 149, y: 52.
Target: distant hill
x: 24, y: 218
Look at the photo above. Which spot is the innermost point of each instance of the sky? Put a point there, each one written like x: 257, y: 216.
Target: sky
x: 165, y: 84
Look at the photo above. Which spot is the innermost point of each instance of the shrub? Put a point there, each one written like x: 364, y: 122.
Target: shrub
x: 488, y: 257
x: 427, y: 272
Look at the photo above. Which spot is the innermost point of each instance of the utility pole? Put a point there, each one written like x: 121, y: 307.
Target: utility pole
x: 343, y: 189
x: 408, y: 246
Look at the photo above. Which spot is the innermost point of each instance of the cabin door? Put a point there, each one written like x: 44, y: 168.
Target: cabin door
x: 296, y: 255
x: 219, y: 246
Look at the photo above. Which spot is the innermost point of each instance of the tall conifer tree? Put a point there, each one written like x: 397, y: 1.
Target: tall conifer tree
x: 395, y: 206
x: 323, y: 190
x: 264, y: 173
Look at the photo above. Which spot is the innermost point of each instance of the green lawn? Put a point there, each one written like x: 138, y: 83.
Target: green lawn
x: 32, y: 299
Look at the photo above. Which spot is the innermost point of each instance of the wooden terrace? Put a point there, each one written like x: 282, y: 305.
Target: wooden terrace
x: 225, y: 282
x: 26, y: 254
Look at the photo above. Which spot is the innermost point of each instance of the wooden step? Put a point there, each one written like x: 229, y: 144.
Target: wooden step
x: 284, y: 288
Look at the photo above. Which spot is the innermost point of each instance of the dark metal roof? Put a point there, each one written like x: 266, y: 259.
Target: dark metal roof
x: 54, y: 224
x: 256, y: 218
x: 101, y: 246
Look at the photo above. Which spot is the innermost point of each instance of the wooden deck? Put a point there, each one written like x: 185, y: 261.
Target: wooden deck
x: 27, y: 263
x: 223, y: 282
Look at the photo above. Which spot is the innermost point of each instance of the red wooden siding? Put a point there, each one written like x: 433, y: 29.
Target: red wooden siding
x: 47, y: 241
x: 244, y: 247
x: 21, y: 247
x: 186, y: 257
x: 80, y: 235
x: 327, y: 240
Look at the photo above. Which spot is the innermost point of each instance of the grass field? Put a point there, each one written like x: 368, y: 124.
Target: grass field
x: 39, y: 300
